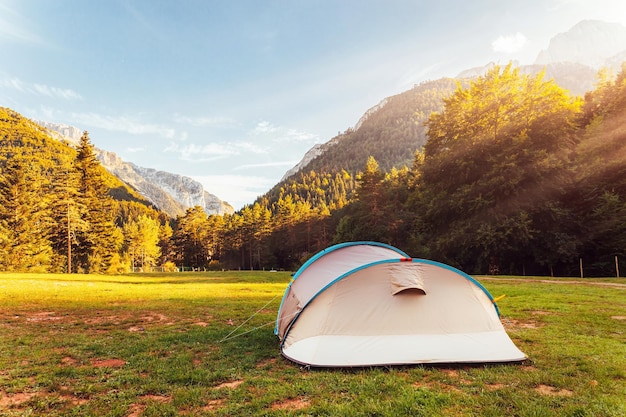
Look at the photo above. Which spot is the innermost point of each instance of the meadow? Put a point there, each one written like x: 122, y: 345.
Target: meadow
x: 202, y: 344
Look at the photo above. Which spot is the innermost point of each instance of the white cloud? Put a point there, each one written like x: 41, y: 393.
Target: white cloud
x: 281, y: 134
x: 264, y: 128
x: 237, y: 190
x: 250, y: 147
x: 202, y: 153
x: 204, y: 121
x: 123, y: 124
x: 135, y: 150
x: 63, y: 93
x: 509, y: 44
x: 266, y: 165
x: 293, y: 135
x: 213, y: 151
x: 16, y: 84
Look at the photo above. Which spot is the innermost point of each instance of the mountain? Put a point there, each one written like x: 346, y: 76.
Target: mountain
x: 51, y: 152
x: 394, y: 129
x: 391, y: 132
x: 591, y: 42
x: 310, y: 155
x: 171, y: 193
x: 575, y: 77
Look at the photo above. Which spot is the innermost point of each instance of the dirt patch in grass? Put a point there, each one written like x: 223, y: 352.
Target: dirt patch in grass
x: 73, y: 400
x: 510, y: 324
x: 618, y: 317
x: 530, y: 323
x: 541, y: 313
x: 136, y: 410
x: 43, y: 316
x: 291, y: 404
x: 548, y: 390
x: 156, y: 318
x: 438, y: 386
x: 156, y: 398
x: 14, y: 400
x: 265, y: 363
x: 230, y: 385
x: 69, y: 361
x: 214, y: 405
x: 99, y: 320
x: 494, y: 387
x: 108, y: 363
x: 136, y: 329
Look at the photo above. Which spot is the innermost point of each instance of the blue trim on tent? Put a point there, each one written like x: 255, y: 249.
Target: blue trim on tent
x: 466, y: 276
x: 340, y: 246
x: 384, y: 261
x: 324, y: 252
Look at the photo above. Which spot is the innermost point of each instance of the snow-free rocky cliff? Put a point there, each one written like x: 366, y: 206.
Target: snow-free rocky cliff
x: 171, y: 193
x: 591, y: 42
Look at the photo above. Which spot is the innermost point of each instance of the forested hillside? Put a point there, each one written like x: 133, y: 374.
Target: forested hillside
x: 390, y: 132
x: 516, y: 176
x: 60, y: 210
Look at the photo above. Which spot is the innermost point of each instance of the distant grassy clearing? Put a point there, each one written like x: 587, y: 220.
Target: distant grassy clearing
x: 149, y: 345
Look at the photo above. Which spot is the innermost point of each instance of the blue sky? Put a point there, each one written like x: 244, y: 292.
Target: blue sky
x: 233, y: 93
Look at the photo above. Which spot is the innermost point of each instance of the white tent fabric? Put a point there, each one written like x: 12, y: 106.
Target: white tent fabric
x: 365, y: 304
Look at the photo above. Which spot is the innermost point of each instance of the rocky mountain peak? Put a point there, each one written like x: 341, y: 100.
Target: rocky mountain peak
x: 590, y: 42
x: 171, y: 193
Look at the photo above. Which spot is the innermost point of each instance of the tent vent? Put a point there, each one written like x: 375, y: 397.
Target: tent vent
x: 406, y: 280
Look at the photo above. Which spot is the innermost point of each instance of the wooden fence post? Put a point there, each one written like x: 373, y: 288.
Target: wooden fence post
x: 581, y: 267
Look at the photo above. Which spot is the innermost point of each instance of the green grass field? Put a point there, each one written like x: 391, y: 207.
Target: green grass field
x: 153, y: 345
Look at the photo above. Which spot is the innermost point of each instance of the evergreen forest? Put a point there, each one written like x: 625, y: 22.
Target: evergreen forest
x: 504, y: 174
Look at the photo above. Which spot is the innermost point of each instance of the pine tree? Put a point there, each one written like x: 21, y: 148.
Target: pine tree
x: 25, y: 223
x: 68, y: 212
x: 191, y: 238
x: 496, y: 154
x: 141, y: 238
x: 100, y: 243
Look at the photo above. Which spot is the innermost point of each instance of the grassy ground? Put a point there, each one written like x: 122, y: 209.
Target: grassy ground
x: 152, y: 345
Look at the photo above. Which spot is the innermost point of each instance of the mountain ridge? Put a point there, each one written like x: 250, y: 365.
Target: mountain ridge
x: 589, y: 42
x: 393, y: 129
x: 171, y: 193
x: 573, y: 70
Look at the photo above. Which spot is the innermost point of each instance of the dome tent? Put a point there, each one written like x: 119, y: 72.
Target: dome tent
x: 368, y: 304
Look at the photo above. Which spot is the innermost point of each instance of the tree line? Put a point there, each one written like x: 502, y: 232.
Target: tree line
x: 516, y: 176
x: 61, y: 211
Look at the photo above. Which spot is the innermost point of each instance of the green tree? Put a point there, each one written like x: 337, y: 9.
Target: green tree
x: 191, y: 238
x: 25, y: 223
x: 498, y: 150
x: 99, y: 245
x: 68, y: 212
x: 141, y: 239
x: 364, y: 219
